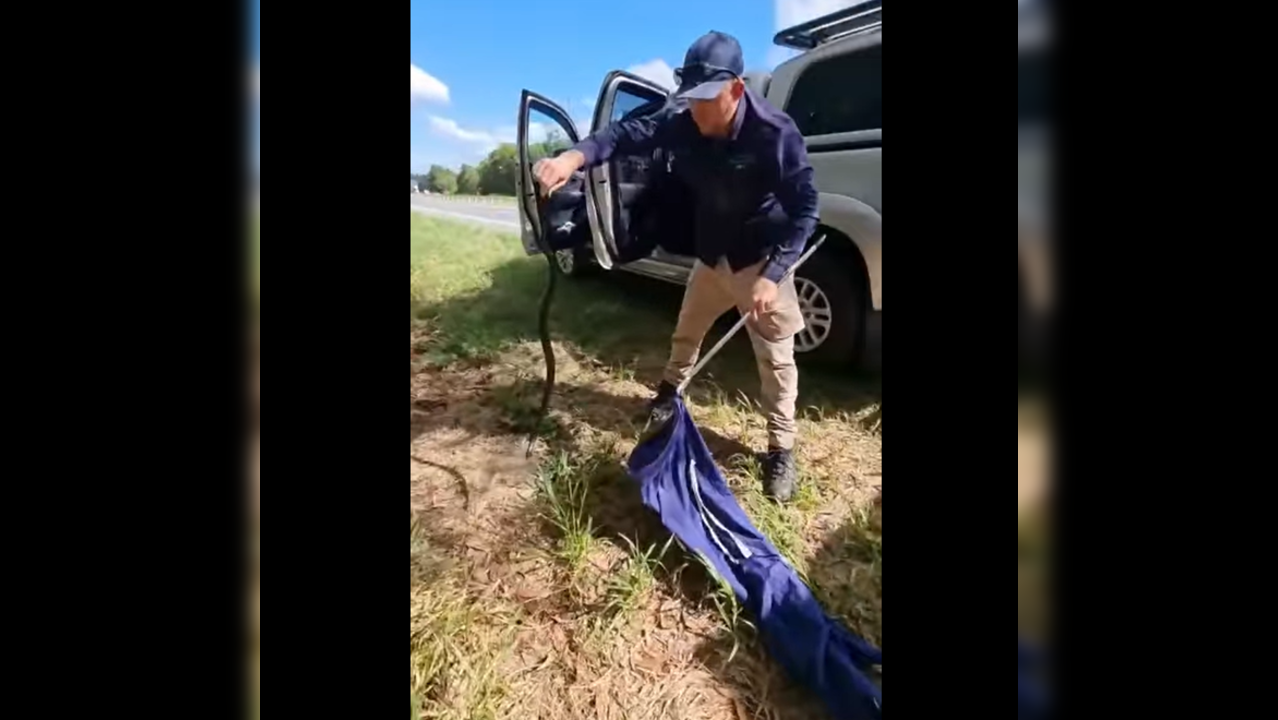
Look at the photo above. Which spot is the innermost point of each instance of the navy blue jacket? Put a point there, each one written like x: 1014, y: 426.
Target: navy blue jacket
x: 755, y: 199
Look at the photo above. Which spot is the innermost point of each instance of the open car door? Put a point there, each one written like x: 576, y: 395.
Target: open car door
x: 615, y: 185
x: 559, y: 222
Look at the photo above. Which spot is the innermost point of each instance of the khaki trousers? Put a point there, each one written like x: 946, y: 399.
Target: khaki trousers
x: 711, y: 291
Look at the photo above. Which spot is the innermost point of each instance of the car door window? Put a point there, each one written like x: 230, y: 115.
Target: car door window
x: 616, y: 184
x: 560, y: 220
x: 627, y: 102
x: 547, y: 137
x: 630, y: 172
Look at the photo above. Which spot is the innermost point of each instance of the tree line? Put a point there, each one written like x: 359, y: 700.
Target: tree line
x: 494, y: 175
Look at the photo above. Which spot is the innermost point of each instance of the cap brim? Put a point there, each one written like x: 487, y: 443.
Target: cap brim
x: 704, y: 91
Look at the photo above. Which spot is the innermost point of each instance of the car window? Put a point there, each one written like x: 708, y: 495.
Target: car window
x: 629, y: 103
x: 628, y: 100
x: 645, y: 109
x: 840, y: 94
x: 546, y: 136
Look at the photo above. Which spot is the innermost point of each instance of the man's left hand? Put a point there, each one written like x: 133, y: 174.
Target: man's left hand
x: 762, y: 295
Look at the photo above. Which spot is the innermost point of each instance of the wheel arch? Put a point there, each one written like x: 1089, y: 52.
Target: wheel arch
x: 855, y: 231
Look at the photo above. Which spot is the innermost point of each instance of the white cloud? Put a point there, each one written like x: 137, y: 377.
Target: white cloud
x: 450, y: 128
x: 588, y: 103
x: 425, y: 87
x: 792, y: 12
x: 778, y: 55
x: 506, y: 133
x: 658, y: 71
x: 484, y: 140
x: 789, y: 13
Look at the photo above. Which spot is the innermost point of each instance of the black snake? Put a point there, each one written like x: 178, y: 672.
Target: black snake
x: 543, y: 323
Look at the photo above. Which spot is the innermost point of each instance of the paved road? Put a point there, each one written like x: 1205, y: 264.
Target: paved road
x: 495, y: 215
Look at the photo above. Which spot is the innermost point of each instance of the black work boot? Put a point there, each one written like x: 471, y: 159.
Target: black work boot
x: 779, y: 475
x: 660, y: 409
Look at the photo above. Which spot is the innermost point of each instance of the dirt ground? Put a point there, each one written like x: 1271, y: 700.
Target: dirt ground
x: 504, y: 627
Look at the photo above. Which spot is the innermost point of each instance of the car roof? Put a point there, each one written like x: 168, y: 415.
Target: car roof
x: 861, y: 18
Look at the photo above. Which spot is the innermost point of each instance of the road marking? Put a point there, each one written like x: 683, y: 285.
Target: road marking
x: 447, y: 213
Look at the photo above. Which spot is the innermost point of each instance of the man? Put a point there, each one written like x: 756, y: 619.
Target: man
x: 755, y: 208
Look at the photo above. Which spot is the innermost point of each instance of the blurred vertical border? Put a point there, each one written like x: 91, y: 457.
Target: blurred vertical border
x: 254, y: 288
x: 1036, y: 307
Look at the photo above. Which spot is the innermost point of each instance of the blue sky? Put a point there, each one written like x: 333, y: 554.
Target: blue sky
x: 470, y: 59
x: 254, y: 80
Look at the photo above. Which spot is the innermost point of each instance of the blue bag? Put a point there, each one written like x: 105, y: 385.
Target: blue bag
x: 680, y: 482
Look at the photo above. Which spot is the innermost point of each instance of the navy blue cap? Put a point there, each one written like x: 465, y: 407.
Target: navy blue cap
x: 712, y: 61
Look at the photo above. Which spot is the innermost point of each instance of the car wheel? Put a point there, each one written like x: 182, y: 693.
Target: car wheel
x: 575, y: 262
x: 832, y: 300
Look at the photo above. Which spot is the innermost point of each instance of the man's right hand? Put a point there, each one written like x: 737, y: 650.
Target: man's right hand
x: 553, y: 173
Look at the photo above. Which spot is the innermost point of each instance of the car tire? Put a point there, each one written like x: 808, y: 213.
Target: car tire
x: 576, y: 262
x: 832, y: 296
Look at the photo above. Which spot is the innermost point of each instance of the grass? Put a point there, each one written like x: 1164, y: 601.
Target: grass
x: 493, y: 199
x: 446, y: 270
x: 457, y: 640
x: 630, y: 589
x: 728, y: 610
x: 480, y: 297
x: 541, y: 586
x: 784, y: 525
x: 563, y: 491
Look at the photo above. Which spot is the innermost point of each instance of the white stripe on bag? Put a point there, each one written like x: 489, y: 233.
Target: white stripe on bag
x: 707, y: 517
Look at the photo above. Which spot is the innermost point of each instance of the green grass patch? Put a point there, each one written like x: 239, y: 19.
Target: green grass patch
x: 458, y: 641
x: 630, y: 589
x: 480, y: 293
x: 851, y: 585
x: 490, y: 199
x: 563, y: 485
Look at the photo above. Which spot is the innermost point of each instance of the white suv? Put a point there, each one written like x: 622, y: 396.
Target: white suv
x: 833, y: 91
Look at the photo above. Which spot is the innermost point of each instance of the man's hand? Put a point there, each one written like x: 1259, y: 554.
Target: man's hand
x: 553, y: 173
x: 762, y: 295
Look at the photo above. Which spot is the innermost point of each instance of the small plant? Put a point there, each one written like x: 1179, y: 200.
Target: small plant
x: 623, y: 373
x: 629, y: 589
x: 865, y: 541
x: 872, y: 421
x: 563, y: 491
x: 728, y: 608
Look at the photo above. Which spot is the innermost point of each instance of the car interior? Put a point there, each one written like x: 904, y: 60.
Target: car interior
x: 650, y: 205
